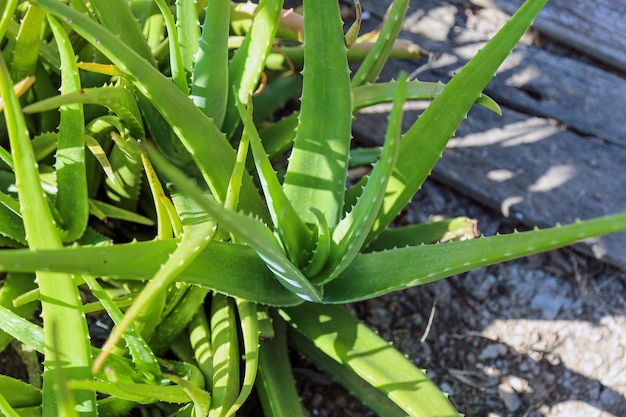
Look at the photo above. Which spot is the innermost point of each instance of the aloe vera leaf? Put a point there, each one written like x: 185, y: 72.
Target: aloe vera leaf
x: 44, y: 144
x: 376, y: 400
x: 350, y: 234
x: 352, y: 33
x: 15, y: 285
x: 142, y: 355
x: 250, y: 230
x: 65, y: 402
x: 11, y: 225
x: 278, y: 137
x: 61, y: 302
x: 234, y: 184
x: 200, y: 340
x: 128, y: 172
x: 117, y: 17
x: 250, y: 334
x: 190, y: 246
x: 351, y: 343
x: 6, y: 16
x: 174, y: 323
x: 275, y: 384
x: 117, y: 99
x: 289, y: 26
x: 379, y: 273
x: 6, y: 409
x: 188, y: 31
x: 176, y: 57
x: 372, y: 65
x: 319, y: 161
x: 248, y: 62
x: 293, y: 56
x: 225, y: 343
x: 140, y: 393
x: 26, y: 51
x: 275, y: 96
x: 294, y: 233
x: 113, y: 212
x: 201, y: 399
x: 372, y: 94
x: 209, y: 86
x: 18, y: 393
x: 71, y: 199
x: 423, y: 144
x: 240, y: 272
x: 458, y: 228
x: 208, y: 146
x: 323, y: 242
x: 21, y: 329
x: 164, y: 224
x: 32, y: 335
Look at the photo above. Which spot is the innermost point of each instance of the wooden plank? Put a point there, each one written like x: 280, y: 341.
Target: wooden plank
x: 531, y: 80
x: 595, y: 28
x: 524, y: 164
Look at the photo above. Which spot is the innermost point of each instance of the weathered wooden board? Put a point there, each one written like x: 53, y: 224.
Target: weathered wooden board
x: 595, y: 28
x: 557, y: 153
x: 531, y: 80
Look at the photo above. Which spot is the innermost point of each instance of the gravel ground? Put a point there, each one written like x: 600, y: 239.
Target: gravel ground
x: 538, y: 337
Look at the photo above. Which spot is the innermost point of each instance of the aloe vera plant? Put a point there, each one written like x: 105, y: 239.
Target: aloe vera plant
x: 233, y: 255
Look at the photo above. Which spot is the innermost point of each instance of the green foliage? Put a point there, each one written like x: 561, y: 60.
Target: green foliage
x: 221, y: 254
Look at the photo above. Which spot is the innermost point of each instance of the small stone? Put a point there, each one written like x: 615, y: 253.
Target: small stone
x: 509, y: 398
x: 493, y: 351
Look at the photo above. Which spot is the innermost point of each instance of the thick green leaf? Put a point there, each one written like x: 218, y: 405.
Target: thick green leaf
x: 351, y: 232
x: 250, y: 230
x: 351, y: 343
x: 319, y: 161
x: 227, y: 268
x: 423, y: 143
x: 377, y: 273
